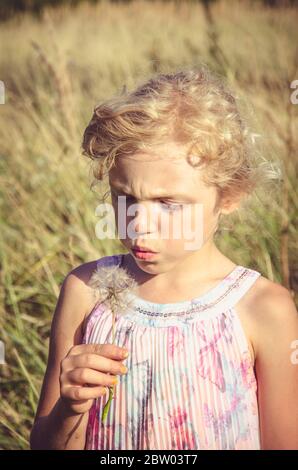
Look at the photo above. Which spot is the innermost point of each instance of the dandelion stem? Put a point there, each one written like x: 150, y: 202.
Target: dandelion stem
x: 108, y: 404
x: 112, y: 388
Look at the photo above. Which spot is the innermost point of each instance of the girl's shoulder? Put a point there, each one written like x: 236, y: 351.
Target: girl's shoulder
x: 266, y: 295
x: 265, y: 309
x: 77, y: 281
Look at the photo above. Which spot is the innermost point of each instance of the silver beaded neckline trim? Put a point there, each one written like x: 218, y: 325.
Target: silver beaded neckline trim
x: 195, y: 307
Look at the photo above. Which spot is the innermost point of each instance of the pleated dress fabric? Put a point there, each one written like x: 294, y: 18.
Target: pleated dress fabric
x: 190, y: 382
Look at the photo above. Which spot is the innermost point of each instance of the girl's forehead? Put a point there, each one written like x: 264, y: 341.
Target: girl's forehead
x: 164, y: 170
x: 174, y: 165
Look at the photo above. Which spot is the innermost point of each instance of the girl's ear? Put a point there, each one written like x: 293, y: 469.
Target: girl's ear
x: 230, y: 205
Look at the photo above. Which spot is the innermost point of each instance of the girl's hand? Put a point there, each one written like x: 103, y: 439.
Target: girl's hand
x: 84, y: 374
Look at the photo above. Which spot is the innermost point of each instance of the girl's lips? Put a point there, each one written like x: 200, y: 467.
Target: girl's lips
x: 143, y: 254
x: 142, y: 248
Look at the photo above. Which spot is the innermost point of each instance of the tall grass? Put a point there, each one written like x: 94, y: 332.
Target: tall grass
x: 55, y: 69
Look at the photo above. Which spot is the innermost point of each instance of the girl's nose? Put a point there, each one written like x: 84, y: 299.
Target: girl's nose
x: 144, y: 220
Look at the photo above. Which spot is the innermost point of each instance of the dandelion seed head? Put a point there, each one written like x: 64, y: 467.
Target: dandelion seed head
x: 112, y: 285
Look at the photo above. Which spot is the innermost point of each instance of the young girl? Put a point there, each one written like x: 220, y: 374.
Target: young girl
x: 210, y: 362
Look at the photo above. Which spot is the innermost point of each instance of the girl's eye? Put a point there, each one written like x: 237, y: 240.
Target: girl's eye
x: 171, y: 206
x: 166, y: 205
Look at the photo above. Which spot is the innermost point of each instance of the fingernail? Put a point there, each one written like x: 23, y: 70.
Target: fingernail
x: 125, y: 354
x: 123, y: 369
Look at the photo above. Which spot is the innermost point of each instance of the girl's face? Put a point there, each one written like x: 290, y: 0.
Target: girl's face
x: 165, y: 206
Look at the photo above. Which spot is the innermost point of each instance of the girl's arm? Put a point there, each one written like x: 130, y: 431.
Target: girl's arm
x: 276, y: 347
x: 55, y: 426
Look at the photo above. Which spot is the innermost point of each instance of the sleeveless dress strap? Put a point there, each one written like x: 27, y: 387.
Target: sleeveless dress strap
x: 238, y: 288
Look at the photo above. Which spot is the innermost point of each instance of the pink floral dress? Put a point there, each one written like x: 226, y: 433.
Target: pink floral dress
x: 190, y: 382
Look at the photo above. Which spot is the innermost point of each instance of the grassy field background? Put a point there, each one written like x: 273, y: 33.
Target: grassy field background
x: 55, y: 69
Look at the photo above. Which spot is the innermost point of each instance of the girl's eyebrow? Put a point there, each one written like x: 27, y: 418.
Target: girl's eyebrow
x: 161, y: 195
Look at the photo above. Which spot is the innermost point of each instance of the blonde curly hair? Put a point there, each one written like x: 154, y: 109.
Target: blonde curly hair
x: 193, y: 107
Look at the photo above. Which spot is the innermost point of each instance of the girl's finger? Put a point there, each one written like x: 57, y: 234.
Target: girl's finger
x: 111, y: 351
x: 91, y: 377
x: 84, y: 393
x: 103, y: 364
